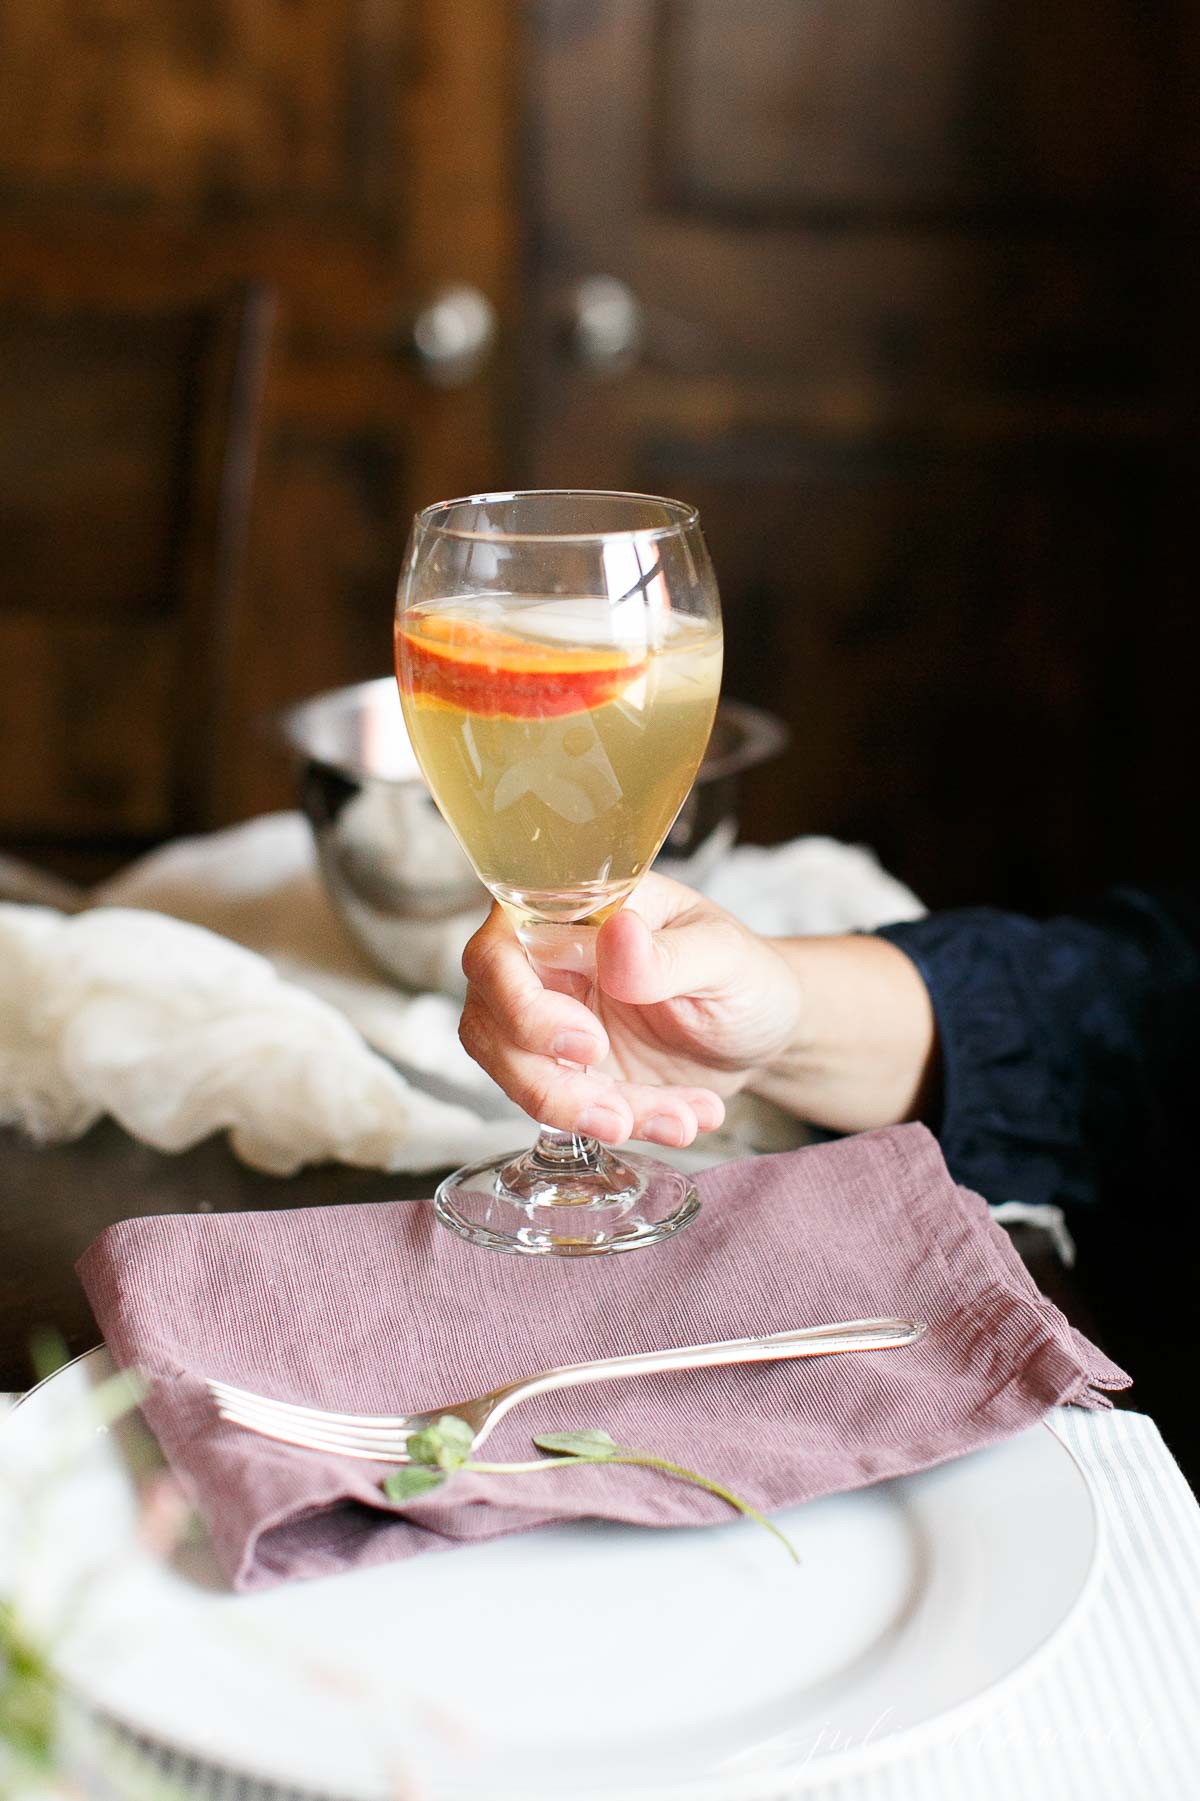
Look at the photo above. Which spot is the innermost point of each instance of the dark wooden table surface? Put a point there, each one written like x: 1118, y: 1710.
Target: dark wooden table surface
x: 55, y: 1199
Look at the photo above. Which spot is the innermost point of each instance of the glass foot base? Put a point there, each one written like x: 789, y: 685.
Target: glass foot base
x: 522, y: 1204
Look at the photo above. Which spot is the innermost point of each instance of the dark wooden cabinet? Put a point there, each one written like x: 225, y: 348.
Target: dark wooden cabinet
x: 913, y: 287
x: 159, y: 161
x: 904, y: 299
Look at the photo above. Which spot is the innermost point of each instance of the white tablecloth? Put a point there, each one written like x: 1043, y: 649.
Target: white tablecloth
x: 1111, y: 1711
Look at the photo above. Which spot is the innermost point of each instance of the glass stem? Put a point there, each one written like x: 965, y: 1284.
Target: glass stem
x: 564, y: 957
x: 565, y: 1151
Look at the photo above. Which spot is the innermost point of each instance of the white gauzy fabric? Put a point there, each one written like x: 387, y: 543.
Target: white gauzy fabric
x: 179, y: 1033
x: 810, y: 885
x: 259, y: 884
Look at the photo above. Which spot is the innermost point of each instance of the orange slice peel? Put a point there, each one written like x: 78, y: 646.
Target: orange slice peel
x: 450, y: 662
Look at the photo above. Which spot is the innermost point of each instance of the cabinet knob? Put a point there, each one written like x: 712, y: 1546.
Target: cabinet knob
x: 453, y: 335
x: 605, y: 324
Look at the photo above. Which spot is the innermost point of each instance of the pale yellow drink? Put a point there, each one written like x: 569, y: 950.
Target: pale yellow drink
x: 558, y: 737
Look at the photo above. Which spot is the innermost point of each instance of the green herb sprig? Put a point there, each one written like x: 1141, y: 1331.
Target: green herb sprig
x: 440, y: 1451
x: 30, y: 1689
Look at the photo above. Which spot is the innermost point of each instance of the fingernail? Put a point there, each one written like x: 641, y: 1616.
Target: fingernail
x: 575, y: 1047
x: 664, y: 1128
x: 601, y: 1122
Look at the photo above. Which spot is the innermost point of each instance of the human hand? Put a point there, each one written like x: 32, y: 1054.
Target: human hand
x: 688, y: 1006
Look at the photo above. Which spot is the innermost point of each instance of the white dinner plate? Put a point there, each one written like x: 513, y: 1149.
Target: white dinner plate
x: 584, y: 1660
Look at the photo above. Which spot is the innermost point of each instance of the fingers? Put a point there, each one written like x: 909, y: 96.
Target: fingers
x: 533, y: 1017
x: 588, y: 1101
x: 667, y: 1116
x: 552, y: 1092
x: 698, y: 956
x: 528, y: 1036
x: 660, y: 901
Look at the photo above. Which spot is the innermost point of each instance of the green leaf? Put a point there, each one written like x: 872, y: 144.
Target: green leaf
x: 597, y: 1446
x: 417, y: 1479
x: 457, y: 1436
x: 423, y: 1447
x: 28, y: 1694
x: 116, y: 1396
x: 446, y: 1444
x: 47, y: 1352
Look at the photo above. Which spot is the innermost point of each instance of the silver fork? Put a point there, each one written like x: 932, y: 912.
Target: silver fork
x: 383, y: 1438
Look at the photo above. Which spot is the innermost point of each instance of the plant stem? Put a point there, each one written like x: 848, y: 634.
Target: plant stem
x: 714, y: 1488
x: 517, y: 1469
x: 648, y: 1462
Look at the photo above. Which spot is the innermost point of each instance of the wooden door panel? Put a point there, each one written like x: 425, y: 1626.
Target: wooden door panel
x: 253, y: 103
x: 342, y: 160
x: 85, y: 728
x: 890, y: 106
x: 878, y: 330
x: 916, y: 338
x: 92, y: 460
x: 115, y: 508
x: 940, y: 631
x: 338, y: 505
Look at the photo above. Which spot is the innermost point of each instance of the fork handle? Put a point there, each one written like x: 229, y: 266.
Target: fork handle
x: 805, y: 1341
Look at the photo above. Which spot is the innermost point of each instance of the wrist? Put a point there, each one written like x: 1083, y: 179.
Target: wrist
x: 864, y: 1051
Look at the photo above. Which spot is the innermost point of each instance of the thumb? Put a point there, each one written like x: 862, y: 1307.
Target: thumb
x: 696, y: 957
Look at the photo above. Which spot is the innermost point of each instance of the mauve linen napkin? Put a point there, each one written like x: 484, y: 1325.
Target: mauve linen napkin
x: 378, y: 1309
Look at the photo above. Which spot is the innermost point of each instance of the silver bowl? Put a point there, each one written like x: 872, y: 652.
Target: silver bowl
x: 394, y: 871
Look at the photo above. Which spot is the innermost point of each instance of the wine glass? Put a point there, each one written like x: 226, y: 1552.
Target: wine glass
x: 559, y: 660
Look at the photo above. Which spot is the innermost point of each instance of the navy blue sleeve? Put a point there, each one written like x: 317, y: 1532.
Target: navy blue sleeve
x: 1069, y: 1047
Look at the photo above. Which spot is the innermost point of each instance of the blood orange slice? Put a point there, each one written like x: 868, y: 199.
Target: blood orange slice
x: 447, y: 660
